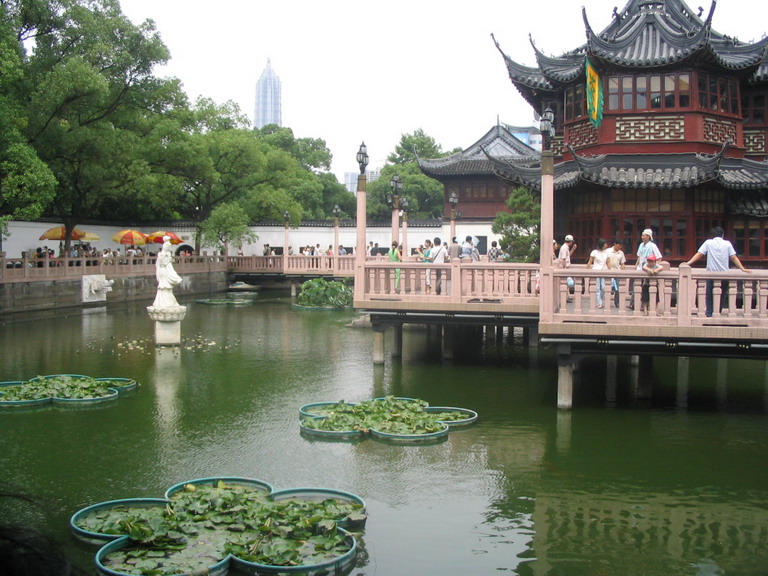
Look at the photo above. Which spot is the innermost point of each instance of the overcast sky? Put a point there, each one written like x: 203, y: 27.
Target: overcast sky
x: 374, y: 70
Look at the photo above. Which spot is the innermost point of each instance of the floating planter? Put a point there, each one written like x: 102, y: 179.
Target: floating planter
x: 324, y: 409
x: 107, y: 521
x: 391, y: 418
x: 428, y: 435
x: 316, y: 427
x: 451, y: 416
x: 214, y: 484
x: 208, y: 525
x: 226, y: 301
x: 63, y: 389
x: 120, y: 384
x: 13, y: 396
x: 346, y: 509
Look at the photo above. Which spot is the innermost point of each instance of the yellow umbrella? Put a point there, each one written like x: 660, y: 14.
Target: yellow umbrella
x: 90, y: 237
x: 130, y: 237
x: 60, y: 233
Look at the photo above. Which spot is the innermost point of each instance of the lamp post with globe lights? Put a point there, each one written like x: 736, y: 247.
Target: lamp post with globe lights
x: 393, y: 201
x: 546, y: 227
x: 454, y: 200
x: 362, y: 161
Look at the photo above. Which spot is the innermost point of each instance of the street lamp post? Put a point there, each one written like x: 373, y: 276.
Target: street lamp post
x: 287, y: 221
x: 546, y: 228
x: 393, y: 200
x: 336, y: 214
x: 404, y: 207
x: 454, y: 200
x: 362, y: 160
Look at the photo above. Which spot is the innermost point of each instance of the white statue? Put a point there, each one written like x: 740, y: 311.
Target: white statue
x: 166, y: 276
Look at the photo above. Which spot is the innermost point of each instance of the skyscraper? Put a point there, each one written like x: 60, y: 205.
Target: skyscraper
x: 268, y: 94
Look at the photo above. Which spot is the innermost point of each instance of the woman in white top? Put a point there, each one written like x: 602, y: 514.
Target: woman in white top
x: 598, y: 260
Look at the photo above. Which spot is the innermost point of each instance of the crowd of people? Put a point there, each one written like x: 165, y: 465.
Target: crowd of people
x: 719, y: 254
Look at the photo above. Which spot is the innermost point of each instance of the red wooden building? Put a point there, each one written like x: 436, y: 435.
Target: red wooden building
x: 681, y: 145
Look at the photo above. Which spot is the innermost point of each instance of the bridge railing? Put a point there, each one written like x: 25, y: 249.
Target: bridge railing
x: 455, y: 282
x: 296, y: 265
x: 65, y: 268
x: 676, y: 296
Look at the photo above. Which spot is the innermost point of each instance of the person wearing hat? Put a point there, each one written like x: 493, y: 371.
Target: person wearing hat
x: 564, y: 261
x: 652, y: 267
x: 645, y: 249
x: 568, y: 248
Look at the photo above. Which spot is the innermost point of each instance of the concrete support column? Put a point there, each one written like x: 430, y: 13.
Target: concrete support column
x: 683, y: 370
x: 564, y: 378
x: 397, y: 347
x: 645, y: 378
x: 532, y: 333
x: 378, y: 345
x: 611, y: 362
x: 294, y: 289
x: 449, y: 341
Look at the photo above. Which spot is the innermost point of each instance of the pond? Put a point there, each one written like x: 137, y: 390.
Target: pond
x: 674, y: 485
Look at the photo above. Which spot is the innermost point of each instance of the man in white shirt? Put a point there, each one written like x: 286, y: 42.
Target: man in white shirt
x: 437, y: 256
x: 720, y: 253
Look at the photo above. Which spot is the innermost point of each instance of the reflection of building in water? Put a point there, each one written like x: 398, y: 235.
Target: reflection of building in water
x: 648, y: 531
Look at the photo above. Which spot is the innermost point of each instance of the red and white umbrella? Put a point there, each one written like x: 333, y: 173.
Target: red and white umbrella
x: 130, y: 237
x: 60, y: 233
x: 157, y: 237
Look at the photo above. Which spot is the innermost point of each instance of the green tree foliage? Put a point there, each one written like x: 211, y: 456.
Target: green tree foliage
x: 520, y: 227
x: 425, y: 194
x: 312, y: 153
x: 27, y: 185
x: 411, y: 146
x: 322, y: 293
x: 91, y: 93
x: 226, y: 226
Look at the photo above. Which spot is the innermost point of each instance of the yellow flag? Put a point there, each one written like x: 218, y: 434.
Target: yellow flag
x: 594, y: 95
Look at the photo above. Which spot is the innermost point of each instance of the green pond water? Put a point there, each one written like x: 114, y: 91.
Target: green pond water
x: 621, y: 485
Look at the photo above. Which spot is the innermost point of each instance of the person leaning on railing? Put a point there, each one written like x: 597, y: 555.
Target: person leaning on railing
x: 720, y: 253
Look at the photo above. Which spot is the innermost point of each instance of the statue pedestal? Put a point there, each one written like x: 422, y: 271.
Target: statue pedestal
x: 167, y: 323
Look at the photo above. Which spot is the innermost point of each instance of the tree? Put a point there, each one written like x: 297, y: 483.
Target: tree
x: 414, y: 146
x: 227, y: 225
x: 312, y: 153
x: 91, y: 98
x: 520, y: 227
x: 425, y: 194
x: 27, y: 185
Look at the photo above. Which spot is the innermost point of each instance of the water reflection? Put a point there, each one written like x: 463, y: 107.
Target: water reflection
x: 661, y: 468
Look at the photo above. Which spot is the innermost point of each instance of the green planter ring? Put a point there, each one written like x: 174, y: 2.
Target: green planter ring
x: 455, y: 416
x: 352, y: 516
x: 83, y: 521
x: 337, y: 565
x: 19, y: 403
x: 113, y: 394
x: 209, y: 567
x: 308, y: 430
x: 250, y: 484
x: 426, y: 438
x: 120, y: 384
x: 323, y: 409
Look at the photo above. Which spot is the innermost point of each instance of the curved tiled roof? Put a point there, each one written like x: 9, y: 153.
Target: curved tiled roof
x: 644, y: 34
x: 643, y: 171
x: 473, y: 161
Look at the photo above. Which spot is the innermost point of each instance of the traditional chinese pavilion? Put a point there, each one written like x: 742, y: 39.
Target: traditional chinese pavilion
x: 675, y: 138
